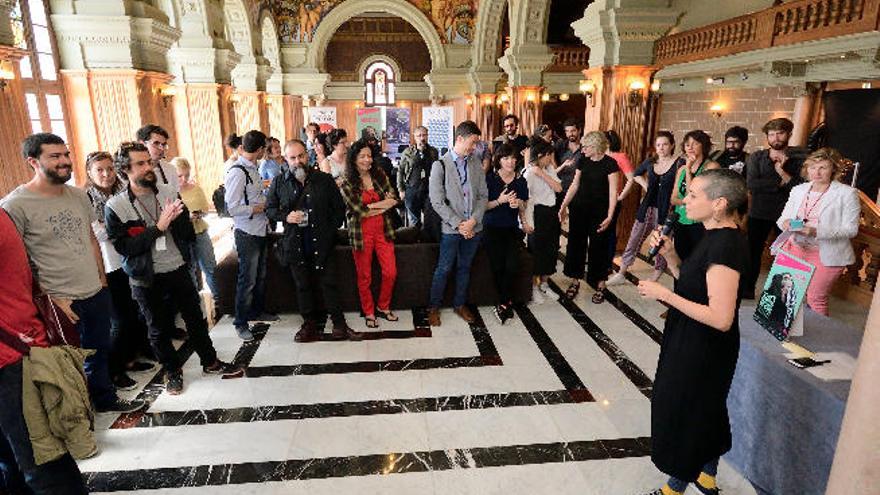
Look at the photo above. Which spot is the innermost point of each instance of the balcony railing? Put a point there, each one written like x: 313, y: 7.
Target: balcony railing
x: 860, y: 279
x: 569, y: 58
x: 792, y: 22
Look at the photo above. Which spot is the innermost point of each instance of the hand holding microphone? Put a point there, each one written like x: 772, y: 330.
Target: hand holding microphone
x: 661, y: 242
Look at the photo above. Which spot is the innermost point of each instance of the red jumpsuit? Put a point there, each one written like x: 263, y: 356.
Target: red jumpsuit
x: 373, y: 229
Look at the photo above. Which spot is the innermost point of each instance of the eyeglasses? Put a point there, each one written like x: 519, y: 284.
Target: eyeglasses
x: 159, y: 145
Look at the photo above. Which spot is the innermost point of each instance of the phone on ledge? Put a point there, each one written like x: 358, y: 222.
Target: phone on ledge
x: 807, y: 362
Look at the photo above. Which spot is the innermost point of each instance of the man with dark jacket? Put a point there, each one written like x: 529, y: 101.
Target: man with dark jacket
x: 413, y: 172
x: 150, y: 227
x: 770, y: 175
x: 310, y: 207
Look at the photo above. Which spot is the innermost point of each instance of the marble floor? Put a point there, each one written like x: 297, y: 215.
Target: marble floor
x: 555, y: 401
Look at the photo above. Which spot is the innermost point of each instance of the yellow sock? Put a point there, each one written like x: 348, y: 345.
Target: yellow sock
x: 669, y: 491
x: 706, y: 481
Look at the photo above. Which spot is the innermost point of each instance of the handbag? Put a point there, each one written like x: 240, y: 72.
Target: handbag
x: 60, y: 330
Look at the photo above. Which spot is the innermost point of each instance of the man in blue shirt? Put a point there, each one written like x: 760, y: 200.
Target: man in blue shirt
x: 458, y: 193
x: 246, y: 205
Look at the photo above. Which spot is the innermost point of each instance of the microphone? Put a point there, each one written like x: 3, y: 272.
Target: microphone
x: 671, y: 222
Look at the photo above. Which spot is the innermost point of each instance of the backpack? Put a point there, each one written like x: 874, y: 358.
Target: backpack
x: 219, y: 195
x: 432, y: 228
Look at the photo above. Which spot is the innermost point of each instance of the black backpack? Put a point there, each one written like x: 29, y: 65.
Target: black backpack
x: 432, y: 228
x: 219, y: 196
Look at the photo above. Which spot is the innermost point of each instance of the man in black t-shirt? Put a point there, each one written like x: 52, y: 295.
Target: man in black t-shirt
x: 568, y: 154
x: 733, y: 156
x: 510, y: 127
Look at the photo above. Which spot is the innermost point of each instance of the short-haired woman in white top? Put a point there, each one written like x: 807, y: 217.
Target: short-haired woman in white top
x: 334, y: 164
x: 542, y: 216
x: 822, y: 216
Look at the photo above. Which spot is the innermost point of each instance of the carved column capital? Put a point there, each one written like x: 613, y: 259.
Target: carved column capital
x: 525, y: 64
x: 624, y: 35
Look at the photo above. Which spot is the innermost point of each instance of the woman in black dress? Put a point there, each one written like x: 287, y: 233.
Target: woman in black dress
x: 690, y: 428
x: 592, y: 198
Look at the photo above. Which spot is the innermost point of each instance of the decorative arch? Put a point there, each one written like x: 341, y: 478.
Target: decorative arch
x: 528, y: 24
x: 238, y: 28
x: 391, y: 61
x: 488, y: 30
x: 353, y: 8
x: 269, y: 35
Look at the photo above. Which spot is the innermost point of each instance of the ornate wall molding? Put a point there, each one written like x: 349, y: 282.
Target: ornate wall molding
x: 488, y: 29
x: 623, y: 32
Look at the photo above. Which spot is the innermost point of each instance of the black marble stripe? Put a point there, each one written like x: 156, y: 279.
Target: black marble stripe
x: 347, y: 409
x: 563, y: 370
x: 365, y: 465
x: 620, y: 359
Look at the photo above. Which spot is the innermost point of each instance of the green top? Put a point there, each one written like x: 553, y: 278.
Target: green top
x: 681, y: 191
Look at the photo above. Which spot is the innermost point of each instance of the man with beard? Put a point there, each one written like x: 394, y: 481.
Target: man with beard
x: 412, y: 174
x: 155, y: 139
x: 150, y: 227
x: 733, y: 156
x: 310, y: 207
x: 568, y: 155
x: 770, y: 175
x: 55, y: 222
x: 511, y: 135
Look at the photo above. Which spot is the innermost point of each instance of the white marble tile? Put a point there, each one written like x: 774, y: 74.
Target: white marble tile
x: 550, y: 478
x: 491, y: 427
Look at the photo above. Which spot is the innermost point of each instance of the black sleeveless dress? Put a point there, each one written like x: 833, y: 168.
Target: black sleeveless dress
x: 689, y: 421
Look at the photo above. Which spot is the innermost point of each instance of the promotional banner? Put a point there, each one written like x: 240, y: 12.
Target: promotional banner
x: 781, y: 300
x: 369, y: 117
x: 397, y: 137
x: 438, y: 120
x: 324, y: 117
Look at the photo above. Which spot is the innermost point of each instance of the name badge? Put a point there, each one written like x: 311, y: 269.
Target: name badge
x: 160, y: 244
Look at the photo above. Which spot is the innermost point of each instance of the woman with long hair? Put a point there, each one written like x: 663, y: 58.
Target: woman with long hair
x: 660, y: 170
x: 193, y: 196
x: 593, y: 199
x: 508, y: 194
x: 690, y: 428
x: 127, y: 330
x: 320, y: 147
x: 335, y: 163
x: 696, y: 147
x: 369, y: 197
x: 821, y: 216
x: 542, y: 216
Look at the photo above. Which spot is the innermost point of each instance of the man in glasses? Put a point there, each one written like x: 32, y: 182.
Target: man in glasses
x: 733, y: 156
x: 155, y: 139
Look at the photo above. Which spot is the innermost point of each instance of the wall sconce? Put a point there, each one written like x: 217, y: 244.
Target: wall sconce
x: 167, y: 93
x: 563, y: 97
x: 715, y: 81
x: 470, y: 101
x: 503, y: 98
x: 717, y: 110
x: 635, y: 92
x: 588, y: 88
x: 655, y: 86
x: 545, y: 97
x: 6, y: 74
x: 234, y: 98
x: 488, y: 100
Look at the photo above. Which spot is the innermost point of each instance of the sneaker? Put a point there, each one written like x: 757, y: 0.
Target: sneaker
x: 244, y: 333
x: 265, y: 317
x: 538, y: 296
x: 617, y: 279
x: 226, y: 370
x: 174, y: 382
x: 124, y: 382
x: 122, y: 406
x: 141, y: 366
x: 502, y: 313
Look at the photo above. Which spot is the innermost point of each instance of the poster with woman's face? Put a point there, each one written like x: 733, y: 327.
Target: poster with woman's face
x: 783, y: 294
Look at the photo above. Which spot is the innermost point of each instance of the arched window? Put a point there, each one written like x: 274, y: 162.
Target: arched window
x: 379, y: 81
x: 39, y: 68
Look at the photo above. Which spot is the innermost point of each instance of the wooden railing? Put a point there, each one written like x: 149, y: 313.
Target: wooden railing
x: 569, y: 58
x: 860, y: 279
x: 792, y: 22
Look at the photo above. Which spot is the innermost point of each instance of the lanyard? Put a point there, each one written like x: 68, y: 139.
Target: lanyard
x: 807, y: 208
x: 154, y: 218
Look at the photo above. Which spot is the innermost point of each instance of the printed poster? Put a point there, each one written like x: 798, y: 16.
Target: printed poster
x: 325, y: 117
x: 438, y: 120
x: 397, y: 122
x: 369, y: 117
x: 781, y: 301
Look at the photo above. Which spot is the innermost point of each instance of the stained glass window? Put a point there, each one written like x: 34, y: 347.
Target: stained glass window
x: 379, y: 80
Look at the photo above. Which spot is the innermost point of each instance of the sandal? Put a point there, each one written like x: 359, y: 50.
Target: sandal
x: 371, y: 322
x: 386, y: 315
x: 572, y: 290
x: 598, y: 296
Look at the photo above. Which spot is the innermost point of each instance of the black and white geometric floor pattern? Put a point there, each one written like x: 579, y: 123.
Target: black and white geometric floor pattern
x: 555, y: 401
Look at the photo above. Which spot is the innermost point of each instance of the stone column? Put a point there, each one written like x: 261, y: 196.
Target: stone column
x: 806, y: 109
x: 485, y: 112
x: 524, y: 65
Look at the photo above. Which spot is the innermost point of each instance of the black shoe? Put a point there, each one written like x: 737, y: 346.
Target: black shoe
x: 141, y: 366
x: 226, y: 370
x: 707, y: 491
x: 122, y: 406
x: 174, y: 382
x: 124, y: 382
x: 503, y: 313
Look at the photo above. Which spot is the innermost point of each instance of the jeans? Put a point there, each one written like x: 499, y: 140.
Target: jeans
x: 503, y: 246
x: 94, y: 333
x: 203, y: 258
x: 316, y: 292
x: 18, y: 473
x: 458, y: 251
x: 758, y: 231
x: 178, y: 286
x: 250, y: 291
x: 640, y: 231
x: 128, y: 332
x: 415, y: 203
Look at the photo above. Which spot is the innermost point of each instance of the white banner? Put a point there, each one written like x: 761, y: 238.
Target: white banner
x: 438, y: 120
x: 324, y: 117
